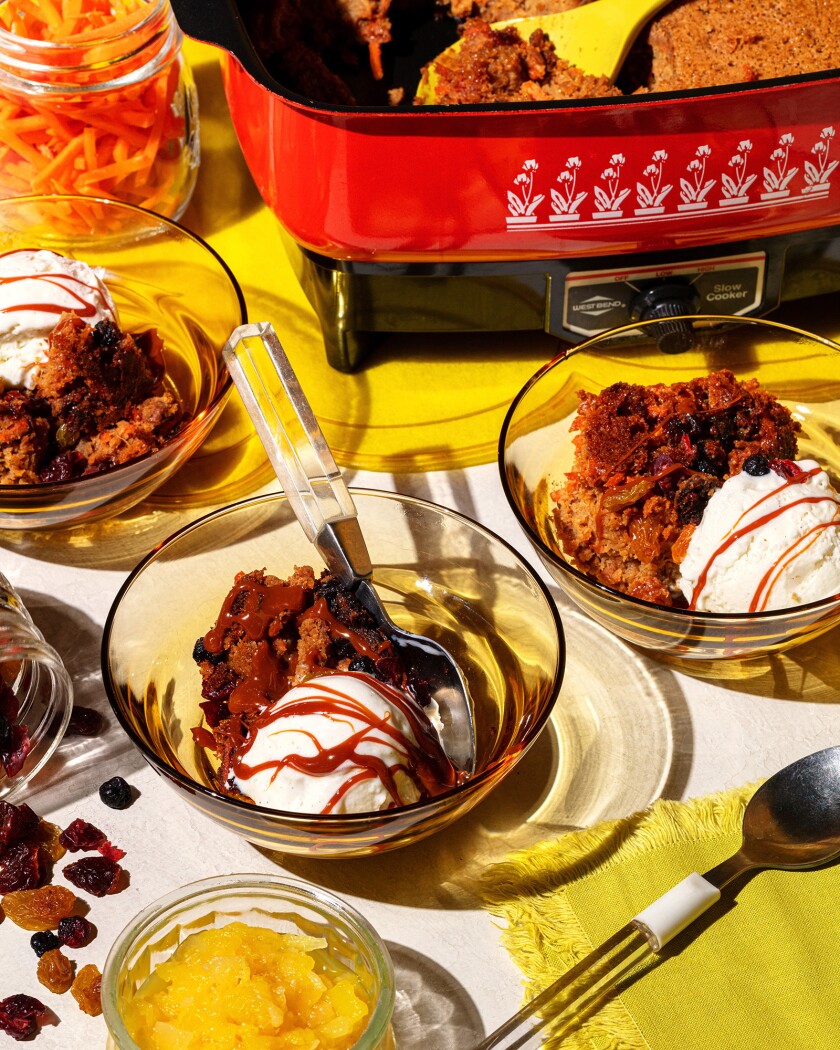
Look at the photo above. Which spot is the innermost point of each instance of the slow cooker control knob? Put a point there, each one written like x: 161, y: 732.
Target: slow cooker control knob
x: 664, y: 301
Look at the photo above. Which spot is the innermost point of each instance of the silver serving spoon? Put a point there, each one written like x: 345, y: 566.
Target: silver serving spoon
x: 315, y: 489
x: 792, y: 821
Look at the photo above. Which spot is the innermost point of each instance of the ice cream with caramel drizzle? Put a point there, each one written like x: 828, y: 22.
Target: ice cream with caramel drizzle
x: 307, y: 706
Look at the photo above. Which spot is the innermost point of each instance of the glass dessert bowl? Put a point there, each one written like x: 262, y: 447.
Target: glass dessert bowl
x: 160, y: 277
x: 280, y: 904
x: 537, y: 452
x: 437, y: 572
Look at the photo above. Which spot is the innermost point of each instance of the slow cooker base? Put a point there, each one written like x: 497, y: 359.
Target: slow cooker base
x: 359, y: 302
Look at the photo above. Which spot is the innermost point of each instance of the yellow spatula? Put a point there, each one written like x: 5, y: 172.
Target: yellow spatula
x: 595, y: 37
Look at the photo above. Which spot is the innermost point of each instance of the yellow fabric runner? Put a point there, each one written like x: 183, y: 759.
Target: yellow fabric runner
x: 760, y: 971
x: 422, y: 402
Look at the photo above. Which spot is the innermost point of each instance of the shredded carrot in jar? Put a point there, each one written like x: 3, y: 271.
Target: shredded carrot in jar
x: 84, y: 133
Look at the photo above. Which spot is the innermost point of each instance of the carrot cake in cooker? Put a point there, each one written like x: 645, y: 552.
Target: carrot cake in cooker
x: 647, y: 460
x: 327, y: 49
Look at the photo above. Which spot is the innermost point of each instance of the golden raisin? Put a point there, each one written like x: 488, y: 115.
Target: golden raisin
x: 55, y: 971
x: 39, y: 909
x: 46, y: 836
x: 86, y: 990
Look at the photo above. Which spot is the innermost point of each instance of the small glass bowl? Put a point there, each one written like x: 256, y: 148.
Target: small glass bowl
x: 437, y: 572
x: 536, y: 451
x: 279, y: 903
x: 35, y: 673
x: 160, y: 276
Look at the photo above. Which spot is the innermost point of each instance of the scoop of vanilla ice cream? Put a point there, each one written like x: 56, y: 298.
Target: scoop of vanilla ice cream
x: 765, y: 542
x: 36, y: 288
x: 338, y: 744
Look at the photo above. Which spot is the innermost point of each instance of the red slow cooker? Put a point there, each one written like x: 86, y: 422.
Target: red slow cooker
x: 570, y: 216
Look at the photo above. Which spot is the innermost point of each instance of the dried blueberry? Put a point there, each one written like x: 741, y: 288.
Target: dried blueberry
x: 201, y: 654
x: 44, y: 942
x: 757, y: 465
x: 115, y: 793
x: 682, y: 426
x: 364, y: 665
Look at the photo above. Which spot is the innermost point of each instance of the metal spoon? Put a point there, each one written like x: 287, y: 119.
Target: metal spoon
x: 595, y: 37
x: 315, y: 489
x: 792, y: 822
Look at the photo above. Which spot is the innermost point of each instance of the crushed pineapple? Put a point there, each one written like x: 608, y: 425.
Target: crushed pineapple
x: 245, y: 988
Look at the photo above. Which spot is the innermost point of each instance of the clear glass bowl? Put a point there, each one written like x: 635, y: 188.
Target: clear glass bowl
x: 35, y: 673
x: 278, y: 903
x: 160, y: 276
x: 437, y: 573
x: 536, y: 450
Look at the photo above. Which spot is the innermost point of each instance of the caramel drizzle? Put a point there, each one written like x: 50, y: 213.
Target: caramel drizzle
x: 425, y: 762
x: 83, y: 306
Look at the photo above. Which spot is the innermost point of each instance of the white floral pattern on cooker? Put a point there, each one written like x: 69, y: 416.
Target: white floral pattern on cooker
x: 736, y: 181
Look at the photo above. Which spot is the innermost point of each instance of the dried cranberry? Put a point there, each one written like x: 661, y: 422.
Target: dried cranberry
x: 13, y: 757
x: 8, y: 704
x: 81, y: 836
x: 84, y: 721
x: 65, y: 465
x: 21, y: 867
x: 757, y: 466
x: 215, y: 711
x: 115, y: 793
x: 111, y: 852
x: 96, y: 875
x: 19, y: 1015
x: 787, y: 468
x: 45, y: 941
x: 74, y: 932
x: 15, y: 822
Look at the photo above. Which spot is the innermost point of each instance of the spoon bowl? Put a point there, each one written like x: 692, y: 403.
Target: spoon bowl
x: 313, y: 484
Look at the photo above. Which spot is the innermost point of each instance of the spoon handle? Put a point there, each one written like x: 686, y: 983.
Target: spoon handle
x: 571, y: 996
x: 297, y: 449
x: 581, y: 988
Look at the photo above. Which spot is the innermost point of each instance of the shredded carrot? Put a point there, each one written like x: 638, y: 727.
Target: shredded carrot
x: 123, y: 142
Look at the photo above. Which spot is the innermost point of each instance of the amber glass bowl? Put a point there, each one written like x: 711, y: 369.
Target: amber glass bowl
x: 160, y: 276
x: 536, y: 451
x: 277, y: 903
x: 437, y: 573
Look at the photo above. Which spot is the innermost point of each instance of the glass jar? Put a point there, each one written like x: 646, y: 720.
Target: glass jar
x: 279, y: 903
x: 36, y: 695
x: 102, y: 105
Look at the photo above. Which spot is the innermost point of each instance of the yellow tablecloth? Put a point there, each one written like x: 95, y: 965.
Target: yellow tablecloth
x: 423, y: 402
x: 760, y: 971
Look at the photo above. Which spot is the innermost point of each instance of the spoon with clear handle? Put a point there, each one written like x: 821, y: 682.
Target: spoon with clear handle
x: 315, y: 489
x: 792, y: 822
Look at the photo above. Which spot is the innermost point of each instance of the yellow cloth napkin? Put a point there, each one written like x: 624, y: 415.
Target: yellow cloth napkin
x: 761, y: 971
